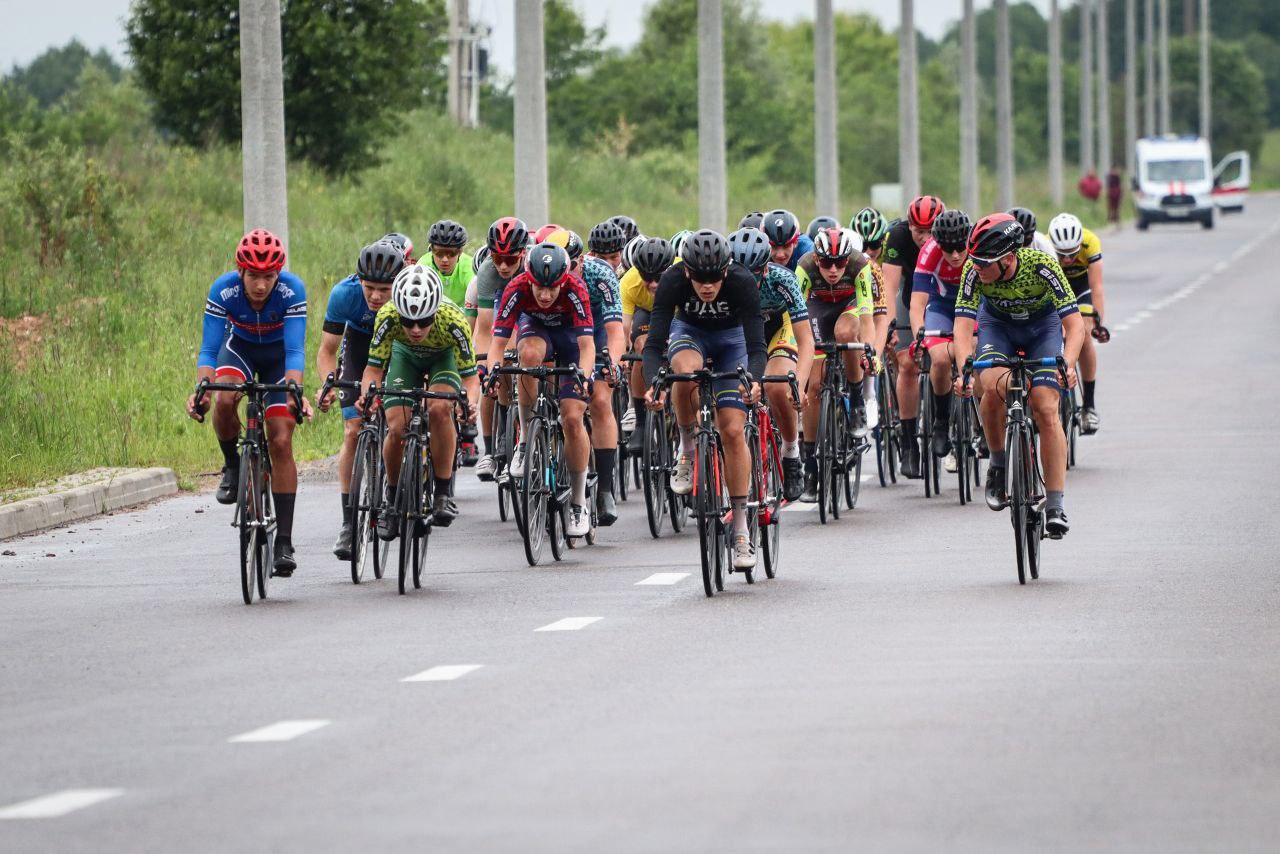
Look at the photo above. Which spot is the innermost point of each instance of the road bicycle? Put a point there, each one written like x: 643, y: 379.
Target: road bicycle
x: 930, y: 465
x: 368, y: 483
x: 254, y: 516
x: 656, y: 464
x: 768, y: 496
x: 839, y: 452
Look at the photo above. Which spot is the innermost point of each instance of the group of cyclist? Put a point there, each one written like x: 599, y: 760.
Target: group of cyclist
x: 765, y: 297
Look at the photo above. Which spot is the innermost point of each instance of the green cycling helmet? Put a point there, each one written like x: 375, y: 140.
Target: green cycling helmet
x: 869, y: 223
x: 677, y: 240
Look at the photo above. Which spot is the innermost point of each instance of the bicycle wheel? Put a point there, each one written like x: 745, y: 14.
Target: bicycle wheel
x: 1015, y: 477
x: 408, y: 498
x: 266, y: 536
x: 248, y: 518
x: 972, y: 405
x: 755, y: 495
x: 771, y: 541
x: 706, y: 501
x: 1073, y: 431
x: 1064, y: 418
x: 655, y: 473
x: 925, y: 436
x: 854, y: 449
x: 677, y: 505
x: 422, y: 531
x: 533, y: 492
x: 362, y: 498
x: 558, y: 510
x: 1035, y: 515
x: 824, y: 454
x: 961, y: 446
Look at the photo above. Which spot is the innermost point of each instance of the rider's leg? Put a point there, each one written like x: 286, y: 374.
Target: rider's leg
x: 577, y: 451
x: 731, y: 421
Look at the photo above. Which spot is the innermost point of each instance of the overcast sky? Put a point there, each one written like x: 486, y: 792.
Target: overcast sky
x: 30, y: 26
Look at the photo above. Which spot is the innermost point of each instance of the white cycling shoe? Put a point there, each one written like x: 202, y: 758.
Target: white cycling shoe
x: 682, y: 477
x: 485, y: 467
x: 579, y: 521
x: 628, y: 420
x: 744, y: 554
x: 517, y: 462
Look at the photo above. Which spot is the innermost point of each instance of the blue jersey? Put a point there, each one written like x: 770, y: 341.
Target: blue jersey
x: 780, y: 291
x: 347, y: 309
x: 283, y: 319
x: 803, y: 247
x: 602, y: 286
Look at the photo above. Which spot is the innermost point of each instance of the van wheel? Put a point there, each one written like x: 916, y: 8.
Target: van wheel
x: 1207, y: 221
x: 1143, y: 225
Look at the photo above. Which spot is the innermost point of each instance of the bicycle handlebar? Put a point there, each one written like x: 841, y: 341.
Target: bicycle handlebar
x: 289, y: 387
x: 539, y: 372
x: 703, y: 374
x: 789, y: 377
x: 1015, y: 363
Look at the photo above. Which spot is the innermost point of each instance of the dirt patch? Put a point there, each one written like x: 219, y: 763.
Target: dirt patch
x: 22, y: 337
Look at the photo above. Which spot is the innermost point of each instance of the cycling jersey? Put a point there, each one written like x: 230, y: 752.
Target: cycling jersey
x: 736, y: 305
x: 571, y: 309
x: 780, y: 292
x: 602, y: 287
x: 935, y: 277
x: 347, y: 308
x: 450, y: 331
x: 900, y: 250
x: 1038, y: 287
x: 1090, y: 252
x: 635, y: 294
x: 455, y: 284
x: 282, y: 319
x: 490, y: 284
x: 854, y: 282
x: 875, y: 276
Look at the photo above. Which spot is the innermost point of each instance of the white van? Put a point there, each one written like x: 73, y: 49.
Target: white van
x: 1176, y: 181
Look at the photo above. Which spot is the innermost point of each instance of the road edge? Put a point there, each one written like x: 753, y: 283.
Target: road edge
x: 81, y: 502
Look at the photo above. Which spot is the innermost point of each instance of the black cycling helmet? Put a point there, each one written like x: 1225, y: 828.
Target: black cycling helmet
x: 627, y: 224
x: 750, y: 248
x: 606, y: 238
x: 548, y: 264
x: 994, y: 237
x: 379, y: 262
x: 652, y: 258
x: 781, y: 227
x: 446, y: 232
x: 820, y: 222
x: 402, y: 242
x: 1027, y: 219
x: 951, y: 229
x: 705, y: 254
x: 752, y: 220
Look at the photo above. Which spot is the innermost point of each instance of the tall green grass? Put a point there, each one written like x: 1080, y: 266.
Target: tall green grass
x: 120, y: 318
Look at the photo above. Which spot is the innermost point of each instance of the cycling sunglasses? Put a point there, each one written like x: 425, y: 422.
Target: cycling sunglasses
x: 983, y: 263
x: 505, y: 259
x: 418, y: 323
x: 955, y: 247
x: 833, y: 263
x: 872, y: 247
x: 713, y: 278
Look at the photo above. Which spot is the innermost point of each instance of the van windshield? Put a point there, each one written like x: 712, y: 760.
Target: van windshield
x: 1162, y: 171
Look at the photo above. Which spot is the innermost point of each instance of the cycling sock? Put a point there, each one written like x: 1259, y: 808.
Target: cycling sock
x: 1053, y: 499
x: 524, y: 421
x: 637, y: 406
x: 284, y: 514
x: 579, y: 481
x: 346, y: 508
x: 606, y: 465
x: 1088, y: 386
x: 444, y: 485
x: 230, y: 452
x: 391, y: 494
x: 908, y: 427
x: 686, y: 439
x: 999, y: 458
x: 807, y: 450
x: 942, y: 407
x: 488, y: 443
x: 739, y: 505
x: 791, y: 450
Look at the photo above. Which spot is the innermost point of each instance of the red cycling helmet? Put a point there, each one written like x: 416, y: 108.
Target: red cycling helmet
x: 994, y: 237
x: 924, y: 210
x: 260, y: 251
x: 508, y: 236
x: 541, y: 235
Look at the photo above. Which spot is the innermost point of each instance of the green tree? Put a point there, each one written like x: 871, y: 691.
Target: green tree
x: 1239, y: 94
x: 350, y: 68
x: 56, y: 71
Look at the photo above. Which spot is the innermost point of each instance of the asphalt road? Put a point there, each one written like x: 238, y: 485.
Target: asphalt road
x: 894, y: 689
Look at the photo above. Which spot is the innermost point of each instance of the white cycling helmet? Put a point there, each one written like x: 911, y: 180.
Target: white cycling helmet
x: 416, y: 292
x: 632, y: 245
x: 1066, y: 233
x: 837, y: 243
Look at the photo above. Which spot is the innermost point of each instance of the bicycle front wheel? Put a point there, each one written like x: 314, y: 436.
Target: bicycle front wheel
x: 707, y: 507
x: 361, y: 497
x: 655, y: 474
x: 408, y: 498
x: 534, y: 488
x: 249, y: 517
x: 771, y: 541
x: 421, y: 531
x: 1018, y: 492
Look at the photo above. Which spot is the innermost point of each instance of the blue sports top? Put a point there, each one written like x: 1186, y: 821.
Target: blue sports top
x: 282, y: 319
x: 602, y: 286
x: 347, y: 308
x: 780, y: 291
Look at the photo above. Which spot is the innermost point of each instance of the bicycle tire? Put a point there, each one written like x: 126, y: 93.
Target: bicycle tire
x: 1015, y: 478
x: 836, y: 423
x: 421, y: 530
x: 706, y: 509
x: 755, y: 494
x: 771, y: 541
x: 724, y: 543
x: 961, y: 446
x: 823, y: 454
x: 853, y: 470
x: 1035, y: 518
x: 655, y: 474
x: 359, y: 496
x: 924, y: 438
x: 266, y: 534
x: 533, y: 493
x: 246, y: 519
x: 406, y: 499
x: 557, y: 520
x: 678, y: 506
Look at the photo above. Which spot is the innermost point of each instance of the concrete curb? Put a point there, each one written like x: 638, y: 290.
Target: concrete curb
x: 72, y: 505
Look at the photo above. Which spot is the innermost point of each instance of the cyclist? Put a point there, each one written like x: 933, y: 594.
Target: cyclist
x: 447, y: 239
x: 652, y: 259
x: 420, y: 337
x: 1080, y: 253
x: 552, y: 310
x: 755, y: 219
x: 871, y: 226
x: 1031, y: 239
x: 788, y: 244
x: 1027, y: 305
x: 933, y: 305
x: 405, y: 244
x: 255, y: 325
x: 820, y: 222
x: 790, y: 348
x: 624, y: 259
x: 348, y: 326
x: 902, y: 249
x: 837, y: 280
x: 506, y: 243
x: 606, y: 242
x: 606, y: 314
x: 707, y: 309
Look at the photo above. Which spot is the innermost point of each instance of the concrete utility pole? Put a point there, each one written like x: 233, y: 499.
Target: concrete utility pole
x: 462, y: 72
x: 969, y: 112
x: 826, y: 152
x: 1055, y: 103
x: 1149, y: 87
x: 266, y: 197
x: 713, y: 199
x: 1104, y: 91
x: 1206, y: 72
x: 908, y: 106
x: 1188, y: 17
x: 1087, y: 139
x: 532, y: 204
x: 1004, y: 108
x: 1130, y: 82
x: 1165, y: 118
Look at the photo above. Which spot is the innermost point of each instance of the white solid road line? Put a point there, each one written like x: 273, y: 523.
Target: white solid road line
x: 279, y: 731
x: 569, y: 624
x: 59, y: 803
x: 443, y: 673
x: 664, y: 578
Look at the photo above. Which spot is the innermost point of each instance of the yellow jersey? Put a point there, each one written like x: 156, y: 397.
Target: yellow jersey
x: 1090, y: 252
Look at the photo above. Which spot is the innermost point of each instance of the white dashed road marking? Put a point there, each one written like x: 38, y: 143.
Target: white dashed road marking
x: 569, y: 624
x: 59, y: 803
x: 661, y: 578
x: 443, y: 673
x: 279, y: 731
